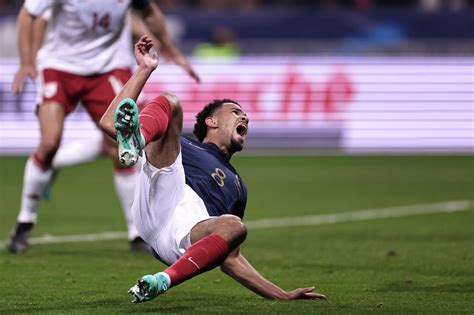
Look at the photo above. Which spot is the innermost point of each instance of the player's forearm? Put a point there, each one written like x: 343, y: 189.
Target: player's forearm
x: 132, y: 90
x: 25, y: 37
x: 241, y: 270
x: 139, y: 28
x: 155, y: 22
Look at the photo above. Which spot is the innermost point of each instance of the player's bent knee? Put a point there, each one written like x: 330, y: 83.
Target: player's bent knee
x: 174, y: 102
x: 234, y: 223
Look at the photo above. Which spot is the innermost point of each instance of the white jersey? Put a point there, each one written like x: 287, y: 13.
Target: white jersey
x: 84, y: 37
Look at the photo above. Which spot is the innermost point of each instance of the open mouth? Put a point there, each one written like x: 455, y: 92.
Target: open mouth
x: 242, y: 130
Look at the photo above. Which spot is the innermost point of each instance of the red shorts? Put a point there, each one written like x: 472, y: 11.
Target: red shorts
x: 95, y: 92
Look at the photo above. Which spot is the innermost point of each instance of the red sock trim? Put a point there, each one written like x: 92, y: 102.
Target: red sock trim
x: 206, y: 254
x: 154, y: 118
x: 40, y: 162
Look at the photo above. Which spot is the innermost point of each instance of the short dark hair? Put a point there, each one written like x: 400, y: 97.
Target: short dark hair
x: 200, y: 127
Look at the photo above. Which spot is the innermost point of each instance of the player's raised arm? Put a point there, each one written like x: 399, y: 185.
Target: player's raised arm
x: 155, y: 21
x: 241, y: 270
x: 147, y: 60
x: 139, y: 28
x: 27, y: 59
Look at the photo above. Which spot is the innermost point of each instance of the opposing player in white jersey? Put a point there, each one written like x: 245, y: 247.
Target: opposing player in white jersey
x: 83, y: 150
x: 85, y: 57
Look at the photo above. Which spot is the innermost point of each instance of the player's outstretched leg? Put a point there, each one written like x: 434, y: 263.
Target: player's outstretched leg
x: 149, y: 287
x: 129, y: 138
x: 204, y: 255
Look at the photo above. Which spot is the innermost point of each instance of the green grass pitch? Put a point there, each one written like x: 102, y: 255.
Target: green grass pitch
x: 412, y: 264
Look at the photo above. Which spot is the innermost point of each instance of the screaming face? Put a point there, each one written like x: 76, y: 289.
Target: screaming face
x: 232, y: 127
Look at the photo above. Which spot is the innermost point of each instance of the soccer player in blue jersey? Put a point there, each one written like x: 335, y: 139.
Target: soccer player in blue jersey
x: 189, y: 200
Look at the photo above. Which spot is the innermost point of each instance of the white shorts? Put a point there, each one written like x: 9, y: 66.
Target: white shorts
x: 165, y: 209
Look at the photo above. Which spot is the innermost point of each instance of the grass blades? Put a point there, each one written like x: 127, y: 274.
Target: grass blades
x: 416, y: 264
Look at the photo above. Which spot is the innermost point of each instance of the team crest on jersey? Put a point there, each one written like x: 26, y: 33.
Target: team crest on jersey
x: 50, y: 89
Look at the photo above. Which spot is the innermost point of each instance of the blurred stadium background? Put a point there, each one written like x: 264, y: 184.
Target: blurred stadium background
x: 344, y: 76
x: 376, y: 94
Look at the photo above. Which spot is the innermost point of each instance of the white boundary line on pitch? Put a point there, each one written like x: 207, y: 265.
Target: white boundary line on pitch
x: 361, y: 215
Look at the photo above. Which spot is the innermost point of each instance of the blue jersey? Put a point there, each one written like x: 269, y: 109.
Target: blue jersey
x: 213, y: 178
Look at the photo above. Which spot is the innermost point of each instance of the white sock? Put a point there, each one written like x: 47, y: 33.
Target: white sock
x: 78, y: 152
x: 35, y: 181
x: 125, y: 187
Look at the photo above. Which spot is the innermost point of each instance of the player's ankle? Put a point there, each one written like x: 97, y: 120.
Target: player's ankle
x: 163, y: 275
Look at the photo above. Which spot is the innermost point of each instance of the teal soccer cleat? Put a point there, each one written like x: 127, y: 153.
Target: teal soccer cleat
x: 129, y: 138
x: 149, y: 287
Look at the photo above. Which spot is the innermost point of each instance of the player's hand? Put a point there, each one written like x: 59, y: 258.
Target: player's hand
x: 305, y: 294
x: 145, y: 54
x: 20, y: 77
